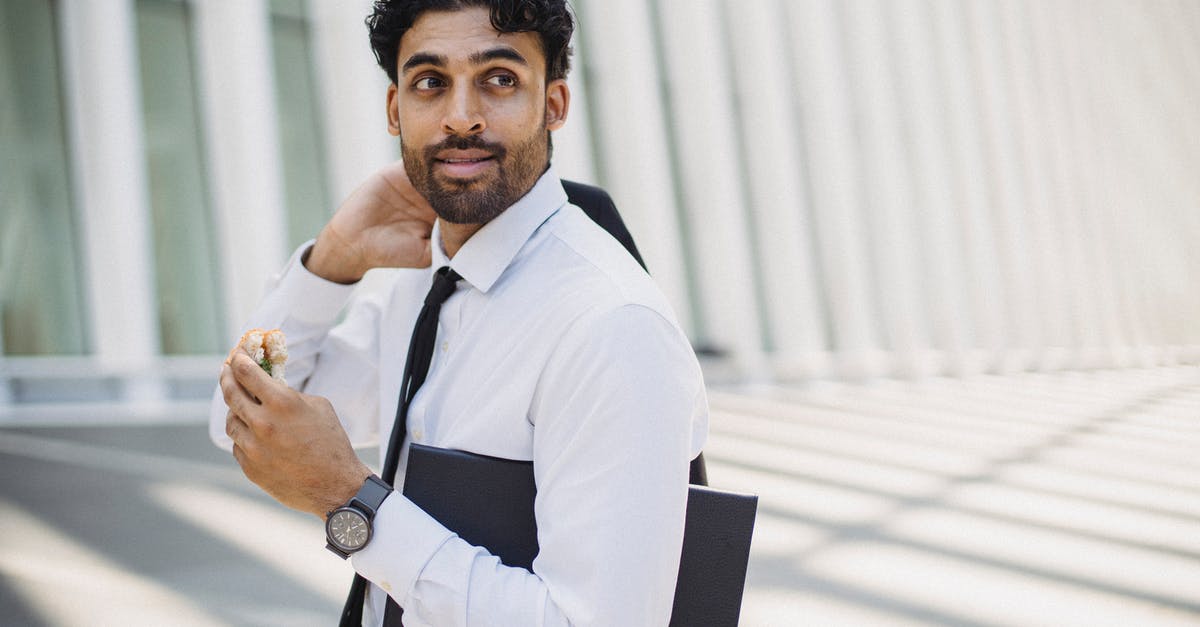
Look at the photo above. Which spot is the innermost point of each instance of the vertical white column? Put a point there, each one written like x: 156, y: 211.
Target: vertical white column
x: 1184, y: 18
x: 573, y: 142
x: 104, y: 117
x: 1107, y: 74
x: 618, y: 36
x: 1166, y: 124
x: 5, y: 390
x: 702, y: 115
x: 978, y: 27
x: 894, y: 222
x: 7, y: 121
x: 1146, y: 163
x: 1080, y: 77
x: 984, y: 186
x: 830, y: 140
x: 353, y: 93
x: 775, y: 172
x: 1130, y: 205
x: 1062, y: 211
x: 1042, y: 238
x: 243, y: 158
x: 943, y: 109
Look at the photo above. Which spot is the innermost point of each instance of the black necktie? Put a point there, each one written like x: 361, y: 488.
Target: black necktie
x: 416, y: 367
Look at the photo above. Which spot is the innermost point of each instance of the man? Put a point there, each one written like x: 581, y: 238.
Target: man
x: 554, y: 346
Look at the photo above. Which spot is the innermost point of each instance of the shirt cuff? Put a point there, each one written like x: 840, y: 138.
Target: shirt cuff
x: 404, y: 539
x: 306, y: 296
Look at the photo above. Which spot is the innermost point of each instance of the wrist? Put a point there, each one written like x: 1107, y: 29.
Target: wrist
x: 342, y: 490
x: 349, y: 527
x: 320, y: 260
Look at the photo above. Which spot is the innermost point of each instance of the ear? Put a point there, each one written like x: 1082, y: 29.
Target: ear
x: 558, y: 103
x: 393, y: 110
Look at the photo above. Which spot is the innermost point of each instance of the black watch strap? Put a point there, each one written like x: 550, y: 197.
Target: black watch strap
x: 370, y: 496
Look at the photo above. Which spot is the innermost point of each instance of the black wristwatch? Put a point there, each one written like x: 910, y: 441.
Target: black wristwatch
x: 348, y: 528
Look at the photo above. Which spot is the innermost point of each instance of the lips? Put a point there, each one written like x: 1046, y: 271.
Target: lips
x: 463, y: 163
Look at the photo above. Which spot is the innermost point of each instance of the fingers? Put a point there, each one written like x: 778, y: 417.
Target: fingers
x: 253, y: 409
x: 253, y: 378
x: 423, y: 252
x: 239, y: 455
x: 243, y: 440
x: 258, y: 402
x: 236, y: 397
x: 422, y: 209
x: 416, y: 205
x: 236, y: 428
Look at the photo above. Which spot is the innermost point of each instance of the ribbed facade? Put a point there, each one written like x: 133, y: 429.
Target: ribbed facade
x: 824, y: 189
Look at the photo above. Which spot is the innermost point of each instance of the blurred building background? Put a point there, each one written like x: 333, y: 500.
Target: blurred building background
x: 839, y: 190
x: 950, y: 245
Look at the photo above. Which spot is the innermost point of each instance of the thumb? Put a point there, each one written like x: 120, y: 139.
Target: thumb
x: 252, y: 377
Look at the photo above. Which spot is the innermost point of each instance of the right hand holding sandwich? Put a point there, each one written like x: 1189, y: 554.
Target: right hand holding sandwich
x: 290, y: 444
x: 385, y: 223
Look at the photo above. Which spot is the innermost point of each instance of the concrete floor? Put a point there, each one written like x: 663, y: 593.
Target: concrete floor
x: 1065, y: 499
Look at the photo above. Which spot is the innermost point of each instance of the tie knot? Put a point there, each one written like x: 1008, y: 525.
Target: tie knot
x: 443, y: 286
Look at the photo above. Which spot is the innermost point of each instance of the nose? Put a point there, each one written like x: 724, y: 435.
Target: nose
x: 464, y: 115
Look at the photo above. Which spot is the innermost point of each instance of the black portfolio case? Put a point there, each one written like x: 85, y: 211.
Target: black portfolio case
x: 488, y: 502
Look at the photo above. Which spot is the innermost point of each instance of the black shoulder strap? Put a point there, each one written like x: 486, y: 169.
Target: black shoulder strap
x: 599, y: 206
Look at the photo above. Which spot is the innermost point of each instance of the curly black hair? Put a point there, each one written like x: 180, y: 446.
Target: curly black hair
x: 550, y: 19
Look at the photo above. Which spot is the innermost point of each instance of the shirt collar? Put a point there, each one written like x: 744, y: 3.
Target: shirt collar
x: 483, y: 257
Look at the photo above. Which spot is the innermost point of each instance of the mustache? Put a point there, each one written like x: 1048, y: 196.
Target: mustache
x: 470, y: 142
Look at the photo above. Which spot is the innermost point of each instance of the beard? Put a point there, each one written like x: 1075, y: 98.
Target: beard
x: 480, y: 199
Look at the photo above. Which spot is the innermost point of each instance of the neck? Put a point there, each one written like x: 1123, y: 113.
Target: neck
x: 455, y: 235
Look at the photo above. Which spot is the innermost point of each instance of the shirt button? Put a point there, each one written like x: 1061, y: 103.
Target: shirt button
x: 417, y: 435
x: 445, y: 346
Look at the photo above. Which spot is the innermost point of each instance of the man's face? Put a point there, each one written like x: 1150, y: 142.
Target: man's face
x: 472, y: 109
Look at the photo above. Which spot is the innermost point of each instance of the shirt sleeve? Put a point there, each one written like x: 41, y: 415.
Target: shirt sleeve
x: 336, y: 360
x: 614, y: 411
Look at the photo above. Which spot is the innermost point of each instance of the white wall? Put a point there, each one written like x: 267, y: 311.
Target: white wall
x: 823, y: 189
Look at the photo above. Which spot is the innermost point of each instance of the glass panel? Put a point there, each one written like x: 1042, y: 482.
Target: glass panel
x: 189, y: 305
x: 288, y: 8
x: 306, y: 186
x: 41, y: 309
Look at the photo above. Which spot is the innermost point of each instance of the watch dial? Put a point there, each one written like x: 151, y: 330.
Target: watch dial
x: 348, y: 530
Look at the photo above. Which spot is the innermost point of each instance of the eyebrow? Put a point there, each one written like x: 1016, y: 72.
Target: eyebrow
x: 476, y: 58
x: 495, y: 54
x: 424, y: 58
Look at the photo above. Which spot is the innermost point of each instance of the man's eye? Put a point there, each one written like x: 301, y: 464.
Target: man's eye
x: 428, y: 82
x: 502, y: 80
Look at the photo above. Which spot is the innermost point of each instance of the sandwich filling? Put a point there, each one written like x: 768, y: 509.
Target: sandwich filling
x: 267, y: 348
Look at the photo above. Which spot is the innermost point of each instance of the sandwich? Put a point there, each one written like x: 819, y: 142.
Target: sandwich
x: 267, y: 348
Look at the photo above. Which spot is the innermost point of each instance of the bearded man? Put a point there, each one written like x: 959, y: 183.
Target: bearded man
x: 552, y: 346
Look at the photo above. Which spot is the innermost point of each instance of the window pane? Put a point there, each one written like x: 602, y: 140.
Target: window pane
x: 40, y: 304
x: 185, y: 264
x: 306, y: 186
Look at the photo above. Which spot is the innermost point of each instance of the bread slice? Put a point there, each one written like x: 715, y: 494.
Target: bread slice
x: 268, y: 348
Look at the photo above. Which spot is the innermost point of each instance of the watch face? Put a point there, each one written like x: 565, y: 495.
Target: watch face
x: 348, y: 530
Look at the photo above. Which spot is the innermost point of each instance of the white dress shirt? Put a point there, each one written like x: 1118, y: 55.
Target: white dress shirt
x: 556, y: 348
